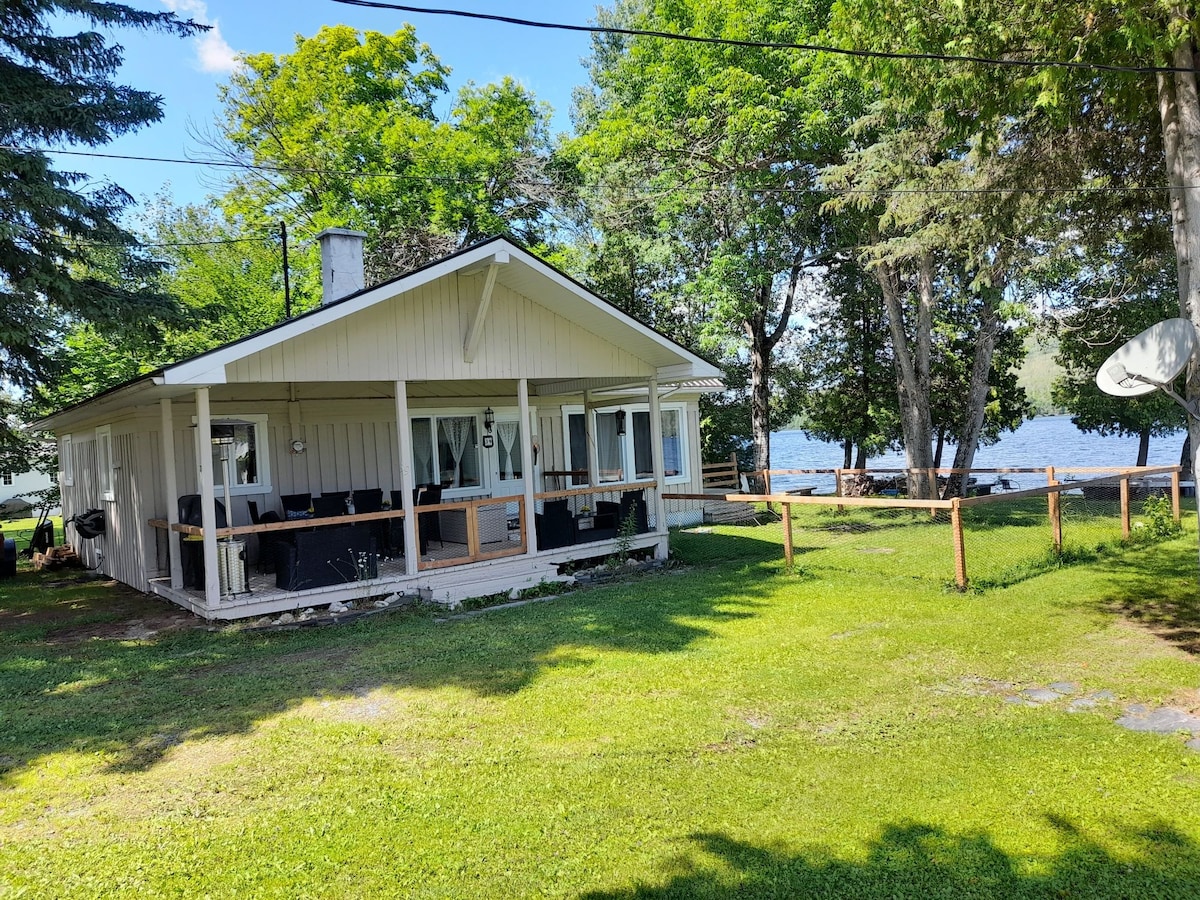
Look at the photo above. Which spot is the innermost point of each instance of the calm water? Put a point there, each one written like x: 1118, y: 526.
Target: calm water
x: 1044, y: 441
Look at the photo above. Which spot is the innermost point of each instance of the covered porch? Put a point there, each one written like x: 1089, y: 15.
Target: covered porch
x: 465, y: 510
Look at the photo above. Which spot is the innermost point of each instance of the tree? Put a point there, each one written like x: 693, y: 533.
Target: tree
x: 59, y: 89
x: 1061, y: 109
x: 714, y: 151
x: 343, y: 132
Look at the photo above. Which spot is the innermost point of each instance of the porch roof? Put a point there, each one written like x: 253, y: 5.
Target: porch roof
x: 515, y: 267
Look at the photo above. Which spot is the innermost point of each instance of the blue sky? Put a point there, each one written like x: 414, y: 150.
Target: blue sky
x: 188, y: 72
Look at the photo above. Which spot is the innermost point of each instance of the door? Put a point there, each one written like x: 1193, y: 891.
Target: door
x: 508, y: 479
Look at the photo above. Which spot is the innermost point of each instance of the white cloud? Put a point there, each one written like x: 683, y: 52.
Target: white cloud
x: 213, y: 53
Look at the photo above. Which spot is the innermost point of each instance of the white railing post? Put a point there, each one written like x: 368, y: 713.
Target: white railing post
x: 528, y: 519
x: 171, y: 487
x: 661, y: 549
x: 412, y: 550
x: 208, y: 502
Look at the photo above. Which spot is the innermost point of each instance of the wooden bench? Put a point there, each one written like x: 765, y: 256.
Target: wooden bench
x: 802, y: 491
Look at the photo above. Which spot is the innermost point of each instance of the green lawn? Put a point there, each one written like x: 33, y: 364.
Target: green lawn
x: 724, y: 730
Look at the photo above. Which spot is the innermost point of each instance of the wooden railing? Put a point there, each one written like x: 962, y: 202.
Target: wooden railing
x: 471, y: 508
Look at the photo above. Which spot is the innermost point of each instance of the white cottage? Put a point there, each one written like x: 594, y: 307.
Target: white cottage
x: 463, y: 429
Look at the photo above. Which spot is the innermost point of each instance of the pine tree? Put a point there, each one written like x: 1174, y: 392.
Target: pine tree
x: 59, y: 91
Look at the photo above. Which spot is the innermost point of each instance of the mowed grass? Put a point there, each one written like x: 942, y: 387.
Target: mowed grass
x: 726, y: 729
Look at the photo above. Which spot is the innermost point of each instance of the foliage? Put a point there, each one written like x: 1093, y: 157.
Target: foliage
x: 59, y: 89
x: 347, y: 124
x: 1160, y: 517
x: 600, y: 745
x: 707, y: 154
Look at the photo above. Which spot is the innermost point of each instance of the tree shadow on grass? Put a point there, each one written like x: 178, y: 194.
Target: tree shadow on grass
x: 922, y: 861
x: 131, y: 700
x: 1155, y: 587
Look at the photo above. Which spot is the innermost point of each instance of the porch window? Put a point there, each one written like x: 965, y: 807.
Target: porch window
x: 244, y: 441
x: 446, y: 451
x: 66, y: 461
x: 6, y: 479
x: 104, y: 462
x: 508, y: 441
x: 628, y: 457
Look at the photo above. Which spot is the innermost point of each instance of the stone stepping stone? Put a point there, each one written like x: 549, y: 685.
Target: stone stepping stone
x: 1091, y: 701
x: 1163, y: 720
x: 1065, y: 687
x: 1041, y: 695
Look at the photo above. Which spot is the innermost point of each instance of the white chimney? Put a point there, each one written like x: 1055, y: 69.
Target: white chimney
x: 341, y: 263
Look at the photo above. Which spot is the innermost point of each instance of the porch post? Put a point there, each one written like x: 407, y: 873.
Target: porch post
x: 589, y: 438
x: 531, y: 546
x: 208, y: 503
x: 171, y: 487
x: 656, y: 455
x: 404, y: 437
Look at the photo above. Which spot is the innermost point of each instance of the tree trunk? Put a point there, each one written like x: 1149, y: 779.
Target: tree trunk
x: 912, y: 374
x: 1143, y: 446
x: 1185, y: 458
x: 760, y: 401
x: 937, y: 450
x: 860, y: 459
x: 977, y: 394
x: 1179, y: 111
x: 762, y: 344
x: 847, y: 449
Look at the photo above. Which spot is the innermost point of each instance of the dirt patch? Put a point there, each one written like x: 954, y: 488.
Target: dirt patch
x: 135, y: 629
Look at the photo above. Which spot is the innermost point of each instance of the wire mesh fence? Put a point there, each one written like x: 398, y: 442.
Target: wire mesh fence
x: 987, y: 540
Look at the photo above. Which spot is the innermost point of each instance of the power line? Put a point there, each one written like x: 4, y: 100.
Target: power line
x: 768, y: 45
x: 229, y: 164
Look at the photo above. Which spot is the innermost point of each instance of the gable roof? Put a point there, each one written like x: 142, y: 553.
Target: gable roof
x: 522, y: 272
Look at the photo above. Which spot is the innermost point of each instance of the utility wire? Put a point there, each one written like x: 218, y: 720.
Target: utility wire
x: 229, y: 164
x: 769, y: 45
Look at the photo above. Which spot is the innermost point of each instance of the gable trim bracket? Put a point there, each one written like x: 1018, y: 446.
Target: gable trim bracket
x: 475, y: 332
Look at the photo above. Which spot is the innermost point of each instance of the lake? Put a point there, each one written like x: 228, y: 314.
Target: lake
x: 1043, y: 441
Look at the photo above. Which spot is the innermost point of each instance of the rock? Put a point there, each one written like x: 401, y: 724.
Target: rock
x: 514, y: 594
x: 285, y: 619
x: 1163, y: 720
x: 306, y: 615
x: 632, y: 563
x: 1065, y: 687
x: 263, y: 622
x: 1041, y: 695
x: 382, y: 604
x: 1193, y: 744
x: 337, y: 607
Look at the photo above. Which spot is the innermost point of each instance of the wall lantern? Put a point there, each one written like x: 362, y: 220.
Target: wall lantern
x: 621, y: 422
x: 489, y: 419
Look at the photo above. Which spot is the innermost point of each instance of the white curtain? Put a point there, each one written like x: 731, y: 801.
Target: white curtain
x: 507, y: 434
x: 422, y: 438
x: 457, y: 430
x: 672, y: 464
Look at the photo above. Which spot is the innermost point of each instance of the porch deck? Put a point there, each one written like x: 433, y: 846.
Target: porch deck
x: 447, y: 583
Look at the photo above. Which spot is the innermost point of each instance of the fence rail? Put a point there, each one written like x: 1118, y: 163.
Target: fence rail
x: 954, y: 510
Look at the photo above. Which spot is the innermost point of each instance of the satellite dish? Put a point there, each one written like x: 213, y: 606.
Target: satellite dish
x: 1155, y: 357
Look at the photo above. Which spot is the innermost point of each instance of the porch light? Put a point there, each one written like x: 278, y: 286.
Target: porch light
x: 621, y: 422
x: 489, y: 419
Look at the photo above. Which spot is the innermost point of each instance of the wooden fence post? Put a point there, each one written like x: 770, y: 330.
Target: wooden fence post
x: 1125, y: 530
x: 1175, y: 494
x: 960, y: 546
x: 787, y: 533
x: 837, y: 490
x: 767, y: 485
x: 1053, y: 500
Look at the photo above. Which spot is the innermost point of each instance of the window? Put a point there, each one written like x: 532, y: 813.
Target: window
x: 627, y: 457
x: 239, y: 449
x: 104, y: 462
x: 446, y: 451
x: 6, y: 478
x: 66, y: 461
x: 508, y: 450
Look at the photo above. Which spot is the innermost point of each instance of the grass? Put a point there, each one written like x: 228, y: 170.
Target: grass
x: 726, y: 729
